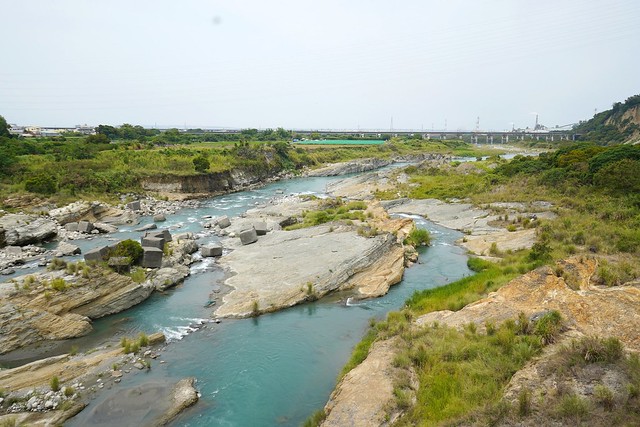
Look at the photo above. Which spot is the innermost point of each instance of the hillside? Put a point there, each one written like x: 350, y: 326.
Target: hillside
x: 620, y: 124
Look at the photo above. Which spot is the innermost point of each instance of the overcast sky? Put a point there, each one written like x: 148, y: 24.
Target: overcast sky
x: 316, y: 64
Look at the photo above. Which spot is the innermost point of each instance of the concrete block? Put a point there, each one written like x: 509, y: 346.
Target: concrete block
x: 152, y: 257
x: 85, y: 227
x: 159, y: 218
x: 134, y: 206
x: 71, y: 226
x: 261, y: 228
x: 152, y: 242
x: 223, y: 222
x: 97, y: 254
x: 164, y: 234
x: 248, y: 236
x: 214, y: 249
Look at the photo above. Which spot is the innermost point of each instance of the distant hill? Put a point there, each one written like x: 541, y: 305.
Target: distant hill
x: 619, y: 125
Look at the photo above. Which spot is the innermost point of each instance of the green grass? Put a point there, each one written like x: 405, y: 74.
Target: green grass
x: 456, y: 295
x: 332, y: 210
x: 462, y: 371
x: 360, y: 352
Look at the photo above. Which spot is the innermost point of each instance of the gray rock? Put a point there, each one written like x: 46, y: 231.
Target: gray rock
x: 288, y: 221
x: 159, y: 218
x: 152, y: 242
x: 13, y: 251
x: 138, y: 365
x: 97, y: 254
x: 67, y: 249
x: 248, y: 236
x: 105, y: 228
x: 146, y: 227
x: 134, y: 206
x: 71, y: 226
x: 211, y: 250
x: 22, y: 229
x: 261, y: 228
x: 85, y: 227
x: 223, y: 222
x: 184, y: 236
x: 152, y: 257
x: 48, y: 404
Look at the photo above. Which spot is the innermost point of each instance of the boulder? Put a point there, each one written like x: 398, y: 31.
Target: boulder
x: 97, y: 254
x: 85, y: 227
x: 223, y: 222
x: 71, y: 226
x: 288, y: 221
x: 261, y: 228
x: 248, y: 236
x: 134, y: 206
x: 152, y: 257
x: 66, y: 249
x: 147, y: 227
x: 105, y: 228
x: 159, y: 218
x: 152, y: 242
x: 73, y: 212
x: 13, y: 251
x: 211, y: 250
x: 22, y: 229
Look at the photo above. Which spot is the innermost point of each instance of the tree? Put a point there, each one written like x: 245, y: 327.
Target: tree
x: 41, y: 183
x: 98, y: 138
x: 201, y: 164
x: 4, y: 128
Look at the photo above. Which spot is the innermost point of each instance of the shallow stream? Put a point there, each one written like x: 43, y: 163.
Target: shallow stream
x: 273, y: 370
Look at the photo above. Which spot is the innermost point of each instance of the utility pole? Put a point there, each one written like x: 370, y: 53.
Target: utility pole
x: 478, y: 124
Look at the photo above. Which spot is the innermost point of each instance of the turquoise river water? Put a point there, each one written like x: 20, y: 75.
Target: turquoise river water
x: 274, y: 370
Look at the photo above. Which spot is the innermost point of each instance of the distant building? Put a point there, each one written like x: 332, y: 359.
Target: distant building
x: 85, y: 129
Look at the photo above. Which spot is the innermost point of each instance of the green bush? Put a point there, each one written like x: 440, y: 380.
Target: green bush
x: 54, y: 383
x: 418, y: 237
x: 201, y: 164
x: 129, y: 249
x: 42, y: 183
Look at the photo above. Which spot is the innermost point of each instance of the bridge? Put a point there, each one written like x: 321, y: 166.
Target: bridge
x: 475, y: 136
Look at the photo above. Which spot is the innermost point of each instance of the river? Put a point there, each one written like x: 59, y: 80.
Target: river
x: 276, y: 369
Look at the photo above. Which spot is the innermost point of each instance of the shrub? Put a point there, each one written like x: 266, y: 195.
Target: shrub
x: 42, y: 183
x: 548, y: 326
x: 572, y: 406
x: 604, y: 396
x: 418, y: 237
x: 143, y: 339
x: 201, y: 164
x: 54, y: 383
x: 524, y: 403
x: 58, y: 284
x: 69, y: 391
x: 130, y: 249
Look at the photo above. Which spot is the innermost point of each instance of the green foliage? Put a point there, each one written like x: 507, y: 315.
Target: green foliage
x: 54, y: 383
x: 461, y: 372
x: 138, y: 275
x: 41, y: 183
x: 592, y: 350
x: 360, y: 352
x: 418, y: 237
x: 332, y: 210
x: 315, y: 419
x: 143, y: 339
x: 201, y: 164
x: 98, y: 138
x: 129, y: 249
x: 572, y: 407
x: 58, y: 284
x: 548, y: 326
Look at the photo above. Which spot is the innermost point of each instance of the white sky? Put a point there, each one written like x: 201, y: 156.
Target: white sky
x: 316, y: 64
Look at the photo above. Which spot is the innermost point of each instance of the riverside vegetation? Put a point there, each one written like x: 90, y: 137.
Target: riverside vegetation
x: 117, y: 160
x: 457, y: 376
